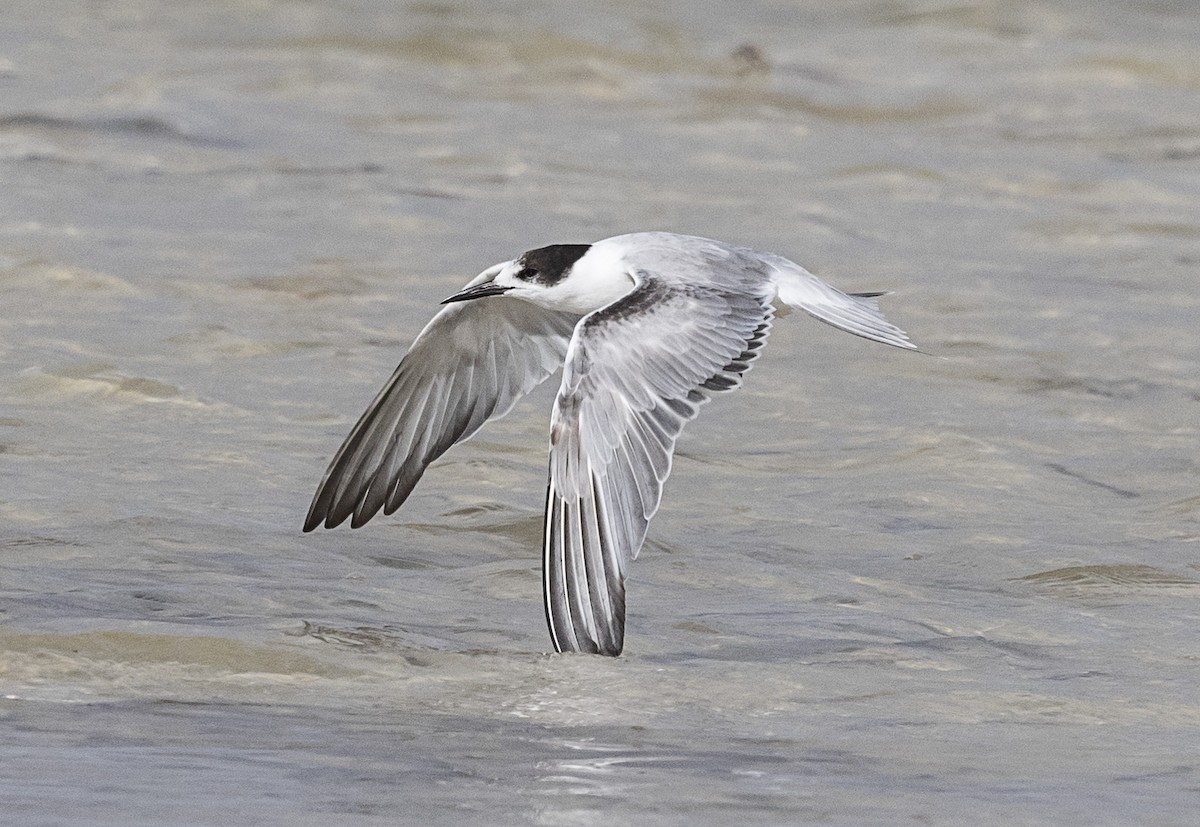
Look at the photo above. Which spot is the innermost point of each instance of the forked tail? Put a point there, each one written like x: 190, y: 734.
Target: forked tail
x: 856, y: 313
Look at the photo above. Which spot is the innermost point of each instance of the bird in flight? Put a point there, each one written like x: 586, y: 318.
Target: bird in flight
x: 646, y: 327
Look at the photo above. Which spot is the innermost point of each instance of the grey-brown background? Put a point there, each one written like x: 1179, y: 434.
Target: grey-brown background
x: 884, y: 588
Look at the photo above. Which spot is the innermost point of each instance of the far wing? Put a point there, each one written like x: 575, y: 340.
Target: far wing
x: 636, y: 372
x: 471, y: 363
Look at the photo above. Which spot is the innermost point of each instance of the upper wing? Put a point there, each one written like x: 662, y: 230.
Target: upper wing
x: 471, y: 363
x: 636, y: 372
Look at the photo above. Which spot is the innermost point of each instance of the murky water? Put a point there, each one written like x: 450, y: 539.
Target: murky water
x: 884, y: 587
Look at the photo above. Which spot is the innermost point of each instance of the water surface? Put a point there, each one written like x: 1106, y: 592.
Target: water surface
x: 883, y: 588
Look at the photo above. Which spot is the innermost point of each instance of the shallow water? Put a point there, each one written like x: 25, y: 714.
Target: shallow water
x: 883, y: 588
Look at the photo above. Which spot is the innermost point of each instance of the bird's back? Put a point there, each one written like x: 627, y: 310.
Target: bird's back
x: 686, y: 259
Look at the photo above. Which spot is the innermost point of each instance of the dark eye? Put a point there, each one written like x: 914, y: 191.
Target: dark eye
x: 527, y: 274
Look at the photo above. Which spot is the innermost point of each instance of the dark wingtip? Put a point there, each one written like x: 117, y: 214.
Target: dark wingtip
x: 616, y: 645
x: 591, y: 647
x: 314, y: 520
x: 318, y: 516
x: 612, y: 650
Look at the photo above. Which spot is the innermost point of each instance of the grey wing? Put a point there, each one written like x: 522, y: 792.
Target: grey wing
x: 471, y: 363
x: 636, y: 373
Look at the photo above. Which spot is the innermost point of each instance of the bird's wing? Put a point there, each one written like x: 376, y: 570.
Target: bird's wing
x: 635, y: 373
x: 856, y: 313
x: 471, y: 363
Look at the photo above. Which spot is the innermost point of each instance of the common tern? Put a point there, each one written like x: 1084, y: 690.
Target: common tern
x: 646, y: 327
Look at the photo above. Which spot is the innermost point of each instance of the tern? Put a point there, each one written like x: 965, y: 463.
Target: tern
x: 646, y: 327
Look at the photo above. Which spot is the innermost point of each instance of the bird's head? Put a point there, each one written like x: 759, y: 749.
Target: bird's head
x: 576, y: 278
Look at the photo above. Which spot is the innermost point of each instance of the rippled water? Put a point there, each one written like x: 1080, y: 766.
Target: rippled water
x: 884, y: 587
